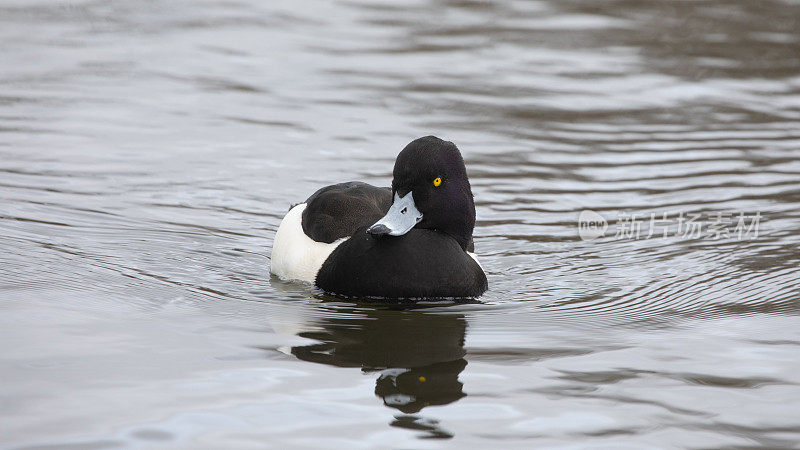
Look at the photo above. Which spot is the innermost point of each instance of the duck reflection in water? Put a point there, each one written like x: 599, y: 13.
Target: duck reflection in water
x: 419, y: 356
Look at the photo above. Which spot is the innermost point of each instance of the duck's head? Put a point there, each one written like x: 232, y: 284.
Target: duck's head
x: 430, y: 190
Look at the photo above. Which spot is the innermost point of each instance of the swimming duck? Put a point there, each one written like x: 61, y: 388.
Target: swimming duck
x: 410, y: 241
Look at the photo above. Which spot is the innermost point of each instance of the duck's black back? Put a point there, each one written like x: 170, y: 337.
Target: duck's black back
x: 336, y: 211
x: 420, y: 264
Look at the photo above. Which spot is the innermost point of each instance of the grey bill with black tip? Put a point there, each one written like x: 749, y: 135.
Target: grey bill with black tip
x: 401, y: 218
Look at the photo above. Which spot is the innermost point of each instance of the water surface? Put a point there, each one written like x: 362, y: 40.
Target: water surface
x: 148, y: 151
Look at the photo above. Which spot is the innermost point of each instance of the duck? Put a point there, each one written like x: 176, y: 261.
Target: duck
x: 412, y: 240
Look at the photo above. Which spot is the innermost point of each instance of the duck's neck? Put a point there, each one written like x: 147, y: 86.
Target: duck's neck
x: 461, y: 230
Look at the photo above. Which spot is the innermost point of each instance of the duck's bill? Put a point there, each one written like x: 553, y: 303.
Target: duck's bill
x: 401, y: 218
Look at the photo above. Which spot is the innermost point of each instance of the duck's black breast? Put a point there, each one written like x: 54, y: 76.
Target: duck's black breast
x: 420, y: 264
x: 336, y: 211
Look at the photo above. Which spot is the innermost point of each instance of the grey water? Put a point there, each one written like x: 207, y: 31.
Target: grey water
x: 149, y: 149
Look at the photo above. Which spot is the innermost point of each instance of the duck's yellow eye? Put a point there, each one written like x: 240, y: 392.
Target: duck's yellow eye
x: 437, y: 181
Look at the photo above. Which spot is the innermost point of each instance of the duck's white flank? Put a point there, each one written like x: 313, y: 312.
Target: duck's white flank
x: 296, y: 256
x: 475, y: 257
